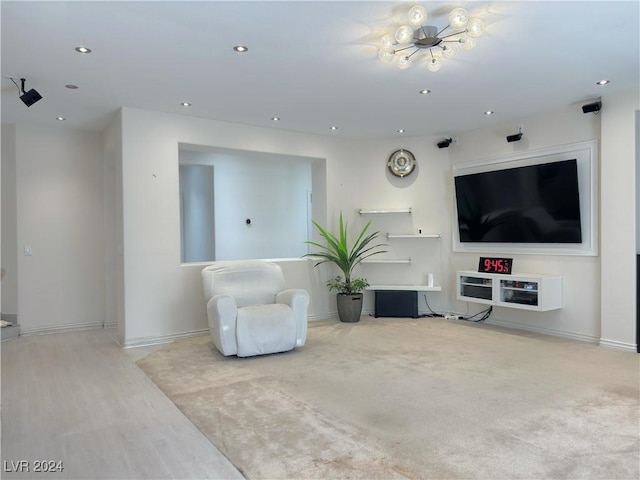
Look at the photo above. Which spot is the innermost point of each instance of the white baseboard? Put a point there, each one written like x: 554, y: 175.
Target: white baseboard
x: 160, y: 339
x: 69, y: 327
x: 329, y: 316
x: 627, y: 347
x: 545, y: 331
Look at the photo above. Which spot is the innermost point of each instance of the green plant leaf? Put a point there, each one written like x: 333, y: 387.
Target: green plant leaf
x: 336, y: 250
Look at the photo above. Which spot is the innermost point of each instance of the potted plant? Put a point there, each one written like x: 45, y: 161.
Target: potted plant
x: 337, y: 251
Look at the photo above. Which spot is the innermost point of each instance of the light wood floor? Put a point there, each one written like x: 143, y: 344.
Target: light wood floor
x: 78, y: 398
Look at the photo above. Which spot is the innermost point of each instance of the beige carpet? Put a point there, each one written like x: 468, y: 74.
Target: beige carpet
x: 405, y: 398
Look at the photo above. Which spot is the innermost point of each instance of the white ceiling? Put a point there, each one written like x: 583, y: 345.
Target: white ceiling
x: 314, y: 64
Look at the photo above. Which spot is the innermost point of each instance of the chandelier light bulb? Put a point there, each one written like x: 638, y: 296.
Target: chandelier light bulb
x: 450, y: 51
x: 458, y: 18
x: 475, y: 27
x: 417, y: 15
x: 434, y: 65
x: 387, y: 43
x: 467, y: 42
x: 386, y: 57
x: 404, y: 34
x: 403, y: 62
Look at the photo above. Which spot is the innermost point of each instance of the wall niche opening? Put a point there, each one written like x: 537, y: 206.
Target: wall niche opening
x: 239, y: 204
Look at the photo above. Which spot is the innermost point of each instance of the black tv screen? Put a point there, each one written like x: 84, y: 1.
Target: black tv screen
x: 530, y: 204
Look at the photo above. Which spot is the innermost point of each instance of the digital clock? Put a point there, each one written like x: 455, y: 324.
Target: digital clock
x: 495, y: 265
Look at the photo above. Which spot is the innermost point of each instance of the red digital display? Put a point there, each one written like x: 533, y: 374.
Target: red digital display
x: 495, y: 265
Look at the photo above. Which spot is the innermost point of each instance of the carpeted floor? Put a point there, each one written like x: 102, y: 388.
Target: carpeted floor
x: 402, y: 398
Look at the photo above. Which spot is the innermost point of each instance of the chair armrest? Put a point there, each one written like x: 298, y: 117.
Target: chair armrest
x: 222, y: 312
x: 298, y: 300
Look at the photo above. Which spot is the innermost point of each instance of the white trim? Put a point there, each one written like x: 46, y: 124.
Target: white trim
x: 69, y: 327
x: 160, y: 339
x: 545, y: 331
x: 328, y: 316
x: 627, y: 347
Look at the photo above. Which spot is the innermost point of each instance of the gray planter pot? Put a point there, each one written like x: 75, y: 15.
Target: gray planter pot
x: 349, y: 307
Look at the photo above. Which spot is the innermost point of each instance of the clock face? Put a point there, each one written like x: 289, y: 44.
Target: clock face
x: 495, y: 265
x: 401, y: 163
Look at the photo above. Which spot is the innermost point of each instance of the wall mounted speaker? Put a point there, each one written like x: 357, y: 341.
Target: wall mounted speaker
x: 592, y: 107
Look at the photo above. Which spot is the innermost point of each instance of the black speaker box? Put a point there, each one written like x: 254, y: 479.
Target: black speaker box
x: 30, y: 97
x: 592, y: 107
x: 396, y: 303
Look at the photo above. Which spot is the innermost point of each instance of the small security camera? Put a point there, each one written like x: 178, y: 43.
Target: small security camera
x: 514, y: 138
x: 445, y: 143
x: 592, y: 107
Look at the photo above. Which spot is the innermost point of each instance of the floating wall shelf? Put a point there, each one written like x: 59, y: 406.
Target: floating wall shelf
x: 419, y: 235
x: 399, y: 260
x: 362, y: 211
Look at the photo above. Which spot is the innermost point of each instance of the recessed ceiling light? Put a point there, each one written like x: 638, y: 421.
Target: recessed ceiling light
x: 71, y: 86
x: 61, y: 119
x: 401, y: 130
x: 275, y: 119
x: 83, y: 50
x: 603, y: 82
x: 425, y: 92
x: 333, y: 127
x: 489, y: 112
x: 185, y: 104
x: 240, y: 48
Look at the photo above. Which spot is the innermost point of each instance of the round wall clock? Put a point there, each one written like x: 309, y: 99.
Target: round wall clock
x: 401, y: 163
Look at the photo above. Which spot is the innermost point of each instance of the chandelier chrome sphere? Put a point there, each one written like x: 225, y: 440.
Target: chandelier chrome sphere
x: 438, y: 45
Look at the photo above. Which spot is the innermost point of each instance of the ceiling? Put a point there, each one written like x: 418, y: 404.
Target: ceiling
x: 313, y: 64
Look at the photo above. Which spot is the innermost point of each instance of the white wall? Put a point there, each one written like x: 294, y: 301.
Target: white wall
x: 60, y: 214
x: 9, y: 239
x: 582, y: 314
x: 425, y: 192
x: 113, y: 237
x: 74, y: 211
x: 269, y: 190
x: 163, y: 299
x: 618, y: 183
x: 197, y: 213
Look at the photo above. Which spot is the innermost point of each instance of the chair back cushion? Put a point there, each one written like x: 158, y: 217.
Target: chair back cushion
x: 250, y: 282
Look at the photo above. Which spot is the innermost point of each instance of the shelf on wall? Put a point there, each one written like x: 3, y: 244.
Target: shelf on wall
x: 390, y: 260
x: 416, y: 288
x: 417, y: 235
x: 363, y: 211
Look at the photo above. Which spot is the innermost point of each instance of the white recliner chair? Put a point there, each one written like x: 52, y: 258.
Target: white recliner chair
x: 250, y: 312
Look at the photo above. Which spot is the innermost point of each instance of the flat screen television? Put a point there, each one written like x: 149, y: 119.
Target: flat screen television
x: 529, y: 204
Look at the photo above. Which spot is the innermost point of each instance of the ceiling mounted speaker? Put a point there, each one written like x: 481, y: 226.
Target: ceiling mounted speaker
x: 592, y: 107
x: 445, y: 143
x: 30, y: 97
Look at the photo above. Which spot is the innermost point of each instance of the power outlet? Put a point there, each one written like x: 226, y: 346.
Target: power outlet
x: 27, y: 250
x: 451, y: 316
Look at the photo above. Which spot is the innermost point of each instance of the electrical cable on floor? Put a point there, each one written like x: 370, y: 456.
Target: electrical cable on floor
x: 484, y: 315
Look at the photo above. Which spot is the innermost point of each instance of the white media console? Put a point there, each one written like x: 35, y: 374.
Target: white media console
x: 526, y: 291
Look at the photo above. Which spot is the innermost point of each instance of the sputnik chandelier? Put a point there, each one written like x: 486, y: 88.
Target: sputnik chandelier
x: 436, y: 44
